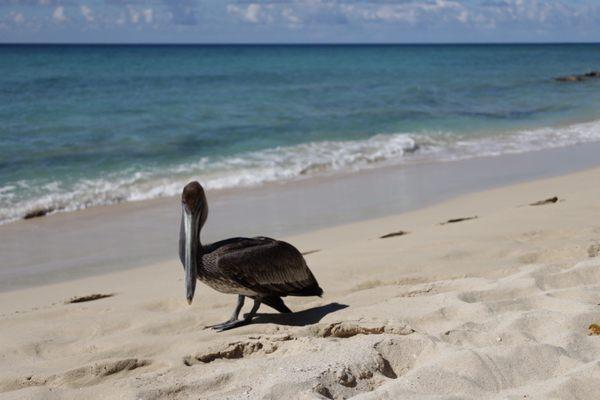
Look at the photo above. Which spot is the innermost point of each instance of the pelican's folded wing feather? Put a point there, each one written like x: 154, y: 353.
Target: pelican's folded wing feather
x: 266, y: 266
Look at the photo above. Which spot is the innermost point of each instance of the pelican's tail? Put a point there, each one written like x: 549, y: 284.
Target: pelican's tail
x: 313, y: 290
x: 276, y: 303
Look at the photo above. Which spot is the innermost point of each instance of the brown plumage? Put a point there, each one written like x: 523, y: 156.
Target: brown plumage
x: 261, y: 268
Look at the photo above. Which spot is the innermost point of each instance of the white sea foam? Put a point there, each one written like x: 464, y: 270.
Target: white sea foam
x: 281, y: 164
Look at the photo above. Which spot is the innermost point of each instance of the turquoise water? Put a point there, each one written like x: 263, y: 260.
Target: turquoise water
x: 87, y: 125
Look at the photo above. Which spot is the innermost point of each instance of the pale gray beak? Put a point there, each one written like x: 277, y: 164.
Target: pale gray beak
x: 192, y: 242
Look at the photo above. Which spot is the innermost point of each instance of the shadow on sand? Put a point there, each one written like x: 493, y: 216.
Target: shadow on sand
x: 300, y: 318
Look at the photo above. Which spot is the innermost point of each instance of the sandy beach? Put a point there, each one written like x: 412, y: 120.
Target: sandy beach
x: 494, y: 306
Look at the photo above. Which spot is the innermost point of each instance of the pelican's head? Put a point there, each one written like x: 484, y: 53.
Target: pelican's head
x: 193, y: 215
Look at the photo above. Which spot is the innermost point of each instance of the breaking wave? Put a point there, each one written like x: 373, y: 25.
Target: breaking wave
x: 27, y: 198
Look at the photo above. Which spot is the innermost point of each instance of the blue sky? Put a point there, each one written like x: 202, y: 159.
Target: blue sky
x: 306, y: 21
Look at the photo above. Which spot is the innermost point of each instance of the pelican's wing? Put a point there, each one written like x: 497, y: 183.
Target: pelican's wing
x: 266, y: 266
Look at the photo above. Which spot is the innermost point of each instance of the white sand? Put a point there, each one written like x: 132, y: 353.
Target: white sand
x: 495, y: 307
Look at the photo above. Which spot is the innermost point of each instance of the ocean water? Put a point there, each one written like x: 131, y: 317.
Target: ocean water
x: 88, y: 125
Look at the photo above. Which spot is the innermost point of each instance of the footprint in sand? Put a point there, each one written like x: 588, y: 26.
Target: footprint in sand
x: 594, y: 250
x: 347, y: 329
x: 235, y: 350
x: 79, y: 377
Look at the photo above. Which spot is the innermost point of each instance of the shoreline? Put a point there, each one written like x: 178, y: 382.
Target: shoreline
x: 453, y: 213
x: 410, y: 151
x: 103, y: 239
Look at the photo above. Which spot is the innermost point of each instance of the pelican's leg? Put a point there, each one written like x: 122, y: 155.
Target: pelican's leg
x: 240, y: 322
x: 238, y: 308
x: 234, y: 316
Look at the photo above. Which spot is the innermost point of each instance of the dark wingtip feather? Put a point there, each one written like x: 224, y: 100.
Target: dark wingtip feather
x: 307, y: 291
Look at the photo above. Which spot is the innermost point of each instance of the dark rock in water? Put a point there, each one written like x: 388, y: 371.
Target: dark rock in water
x: 571, y: 78
x: 579, y: 78
x: 40, y: 212
x: 314, y: 168
x: 413, y: 149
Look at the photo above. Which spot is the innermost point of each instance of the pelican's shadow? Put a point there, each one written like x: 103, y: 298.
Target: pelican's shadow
x: 300, y: 318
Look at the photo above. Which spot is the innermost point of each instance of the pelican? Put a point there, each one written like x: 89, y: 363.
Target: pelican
x: 260, y: 268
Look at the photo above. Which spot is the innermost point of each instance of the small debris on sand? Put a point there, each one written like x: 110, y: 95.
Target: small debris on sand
x: 594, y: 250
x: 594, y: 330
x: 551, y: 200
x: 91, y: 297
x: 389, y: 235
x: 305, y: 253
x: 455, y: 220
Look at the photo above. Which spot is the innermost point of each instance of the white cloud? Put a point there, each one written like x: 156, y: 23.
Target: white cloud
x: 296, y: 12
x: 17, y: 17
x: 233, y: 9
x: 463, y: 16
x: 291, y: 16
x: 87, y: 13
x: 532, y: 10
x: 136, y: 16
x: 253, y: 12
x: 121, y: 19
x: 148, y: 14
x: 378, y: 19
x: 59, y: 15
x: 486, y: 14
x: 386, y: 13
x: 410, y: 12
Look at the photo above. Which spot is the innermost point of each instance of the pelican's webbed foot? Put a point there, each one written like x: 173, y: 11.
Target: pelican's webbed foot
x: 234, y: 322
x: 217, y: 326
x: 231, y: 324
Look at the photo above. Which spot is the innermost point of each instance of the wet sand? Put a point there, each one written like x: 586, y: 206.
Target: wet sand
x: 104, y: 239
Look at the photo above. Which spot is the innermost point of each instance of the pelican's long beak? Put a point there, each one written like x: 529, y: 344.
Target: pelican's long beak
x: 192, y: 243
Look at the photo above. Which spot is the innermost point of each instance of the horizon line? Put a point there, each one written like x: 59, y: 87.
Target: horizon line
x: 287, y: 43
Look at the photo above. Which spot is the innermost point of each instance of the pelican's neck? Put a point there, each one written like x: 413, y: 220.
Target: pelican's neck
x: 202, y: 220
x: 200, y: 253
x: 200, y: 247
